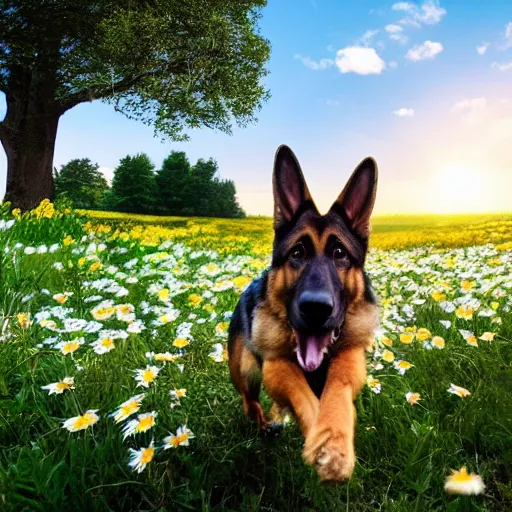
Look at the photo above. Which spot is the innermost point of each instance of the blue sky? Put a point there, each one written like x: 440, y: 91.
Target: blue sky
x: 424, y: 87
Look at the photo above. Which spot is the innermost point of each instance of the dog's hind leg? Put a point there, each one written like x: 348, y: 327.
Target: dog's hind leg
x: 246, y: 375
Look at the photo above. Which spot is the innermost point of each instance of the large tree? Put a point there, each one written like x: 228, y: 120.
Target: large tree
x: 82, y: 182
x: 173, y: 64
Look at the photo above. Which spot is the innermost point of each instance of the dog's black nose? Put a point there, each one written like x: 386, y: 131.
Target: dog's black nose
x: 315, y: 307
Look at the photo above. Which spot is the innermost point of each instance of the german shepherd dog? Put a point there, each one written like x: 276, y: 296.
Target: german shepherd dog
x: 303, y: 326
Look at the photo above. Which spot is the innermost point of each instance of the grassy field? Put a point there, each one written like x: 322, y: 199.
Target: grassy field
x: 94, y: 297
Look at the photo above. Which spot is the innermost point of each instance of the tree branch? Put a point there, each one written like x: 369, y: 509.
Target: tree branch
x: 91, y: 93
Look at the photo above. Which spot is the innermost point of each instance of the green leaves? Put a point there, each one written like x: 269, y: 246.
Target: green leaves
x: 175, y: 65
x: 81, y: 182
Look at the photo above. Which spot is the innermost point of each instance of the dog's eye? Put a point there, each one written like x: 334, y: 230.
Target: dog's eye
x: 339, y: 253
x: 298, y: 253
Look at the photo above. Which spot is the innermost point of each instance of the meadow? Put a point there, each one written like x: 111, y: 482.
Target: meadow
x: 115, y: 392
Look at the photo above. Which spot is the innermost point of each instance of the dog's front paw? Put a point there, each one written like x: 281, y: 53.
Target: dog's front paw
x: 331, y: 453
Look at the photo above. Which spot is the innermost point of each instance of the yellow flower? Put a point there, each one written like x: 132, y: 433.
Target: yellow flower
x: 24, y: 320
x: 128, y: 408
x: 423, y: 334
x: 495, y: 305
x: 464, y: 312
x: 146, y: 376
x: 471, y: 340
x: 58, y: 388
x: 374, y: 384
x: 68, y: 240
x: 181, y: 438
x: 386, y: 341
x: 487, y: 336
x: 163, y: 294
x: 413, y: 398
x: 61, y: 298
x: 466, y: 286
x: 438, y: 342
x: 462, y: 482
x: 402, y: 366
x: 103, y: 313
x: 95, y: 266
x: 82, y: 261
x: 406, y: 338
x: 178, y: 393
x: 70, y: 347
x: 81, y: 422
x: 195, y: 300
x: 166, y: 356
x: 140, y: 458
x: 222, y: 328
x: 16, y: 212
x: 457, y: 390
x: 50, y: 324
x: 180, y: 342
x: 388, y: 356
x: 438, y: 296
x: 142, y: 424
x: 45, y: 209
x: 242, y: 281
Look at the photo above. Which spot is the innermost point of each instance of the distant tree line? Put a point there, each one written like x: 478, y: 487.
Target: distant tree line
x: 178, y: 188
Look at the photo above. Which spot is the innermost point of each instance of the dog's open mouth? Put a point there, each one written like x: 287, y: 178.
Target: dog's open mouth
x: 311, y: 348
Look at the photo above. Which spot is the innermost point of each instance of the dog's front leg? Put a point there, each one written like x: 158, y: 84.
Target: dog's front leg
x: 284, y: 381
x: 329, y: 444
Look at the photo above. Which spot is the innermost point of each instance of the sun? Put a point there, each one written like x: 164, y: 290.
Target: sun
x: 458, y: 188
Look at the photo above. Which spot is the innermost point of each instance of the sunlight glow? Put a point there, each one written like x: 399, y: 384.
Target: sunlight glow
x: 459, y: 188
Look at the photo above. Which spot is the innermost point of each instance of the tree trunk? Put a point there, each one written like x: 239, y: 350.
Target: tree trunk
x: 28, y: 135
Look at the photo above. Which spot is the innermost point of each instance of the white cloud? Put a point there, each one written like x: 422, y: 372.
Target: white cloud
x: 482, y: 48
x: 403, y: 6
x: 314, y: 64
x: 393, y: 64
x: 404, y: 112
x: 507, y: 36
x: 472, y: 110
x: 395, y: 33
x: 504, y: 66
x: 431, y: 13
x: 360, y: 60
x: 366, y: 38
x: 426, y: 50
x: 428, y: 13
x: 393, y: 29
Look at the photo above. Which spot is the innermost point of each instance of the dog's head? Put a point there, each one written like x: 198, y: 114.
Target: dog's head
x: 318, y: 259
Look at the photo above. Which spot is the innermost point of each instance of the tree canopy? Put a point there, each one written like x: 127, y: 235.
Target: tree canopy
x: 133, y: 185
x: 178, y: 188
x: 80, y: 181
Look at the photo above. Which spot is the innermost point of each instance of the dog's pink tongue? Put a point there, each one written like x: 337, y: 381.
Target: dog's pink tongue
x: 310, y: 350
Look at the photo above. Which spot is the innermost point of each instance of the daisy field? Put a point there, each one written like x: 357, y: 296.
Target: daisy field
x: 115, y: 392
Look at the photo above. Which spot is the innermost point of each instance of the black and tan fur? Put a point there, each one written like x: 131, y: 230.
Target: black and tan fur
x: 316, y: 285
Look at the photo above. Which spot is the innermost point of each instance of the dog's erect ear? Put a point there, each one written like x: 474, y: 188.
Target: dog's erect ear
x: 358, y: 197
x: 290, y: 189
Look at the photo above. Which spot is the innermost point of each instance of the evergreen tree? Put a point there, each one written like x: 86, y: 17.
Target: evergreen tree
x: 134, y: 186
x: 173, y: 183
x: 81, y: 182
x: 202, y: 190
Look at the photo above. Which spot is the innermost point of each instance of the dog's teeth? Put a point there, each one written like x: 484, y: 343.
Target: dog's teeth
x: 296, y: 349
x: 325, y: 350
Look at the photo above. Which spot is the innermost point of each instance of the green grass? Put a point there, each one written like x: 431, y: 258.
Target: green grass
x: 404, y: 451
